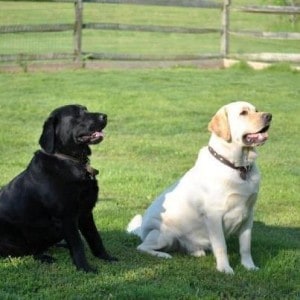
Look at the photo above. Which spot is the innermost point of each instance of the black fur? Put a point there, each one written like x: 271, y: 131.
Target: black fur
x: 54, y: 197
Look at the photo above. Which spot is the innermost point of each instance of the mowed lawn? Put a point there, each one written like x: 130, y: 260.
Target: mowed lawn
x: 157, y: 124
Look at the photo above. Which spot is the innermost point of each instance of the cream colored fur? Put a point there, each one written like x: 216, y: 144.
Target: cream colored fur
x: 211, y: 201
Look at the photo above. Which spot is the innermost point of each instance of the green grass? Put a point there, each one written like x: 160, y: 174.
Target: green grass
x: 157, y: 123
x: 120, y: 42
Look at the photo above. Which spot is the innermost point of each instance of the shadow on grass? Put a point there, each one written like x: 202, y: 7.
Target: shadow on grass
x: 274, y: 250
x: 141, y: 276
x: 268, y: 241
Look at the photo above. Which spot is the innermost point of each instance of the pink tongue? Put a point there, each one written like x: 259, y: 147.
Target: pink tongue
x: 257, y: 137
x: 97, y: 134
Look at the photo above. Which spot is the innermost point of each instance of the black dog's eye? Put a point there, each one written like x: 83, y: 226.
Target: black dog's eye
x: 244, y: 113
x: 82, y: 112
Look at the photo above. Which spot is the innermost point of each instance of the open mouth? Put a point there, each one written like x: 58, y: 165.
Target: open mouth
x: 92, y: 138
x: 257, y: 138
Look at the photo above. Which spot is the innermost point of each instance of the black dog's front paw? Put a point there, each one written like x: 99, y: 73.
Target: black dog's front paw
x: 88, y: 269
x: 44, y: 258
x: 112, y: 259
x: 108, y: 257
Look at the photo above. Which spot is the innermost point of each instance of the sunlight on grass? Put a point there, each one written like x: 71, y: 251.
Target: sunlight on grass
x: 157, y: 124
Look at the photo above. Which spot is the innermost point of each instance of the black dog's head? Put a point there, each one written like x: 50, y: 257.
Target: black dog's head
x: 70, y: 129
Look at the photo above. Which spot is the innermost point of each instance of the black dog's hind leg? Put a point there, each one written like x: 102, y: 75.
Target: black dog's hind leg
x: 89, y: 231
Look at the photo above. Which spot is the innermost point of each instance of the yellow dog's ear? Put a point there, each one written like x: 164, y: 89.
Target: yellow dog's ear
x: 219, y: 125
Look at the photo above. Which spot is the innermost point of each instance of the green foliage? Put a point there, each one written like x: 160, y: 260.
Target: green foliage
x: 157, y: 123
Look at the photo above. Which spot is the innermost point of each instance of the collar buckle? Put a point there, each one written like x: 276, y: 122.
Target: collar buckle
x: 243, y: 170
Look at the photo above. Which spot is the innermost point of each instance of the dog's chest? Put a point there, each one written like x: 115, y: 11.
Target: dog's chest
x: 238, y: 210
x: 87, y: 194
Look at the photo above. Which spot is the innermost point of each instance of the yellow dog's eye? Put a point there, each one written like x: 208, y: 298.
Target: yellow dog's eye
x: 244, y: 112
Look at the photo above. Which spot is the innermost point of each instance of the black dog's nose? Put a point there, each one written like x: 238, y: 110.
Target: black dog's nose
x: 267, y: 117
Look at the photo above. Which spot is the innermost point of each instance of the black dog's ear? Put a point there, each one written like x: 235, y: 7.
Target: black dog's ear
x: 47, y: 139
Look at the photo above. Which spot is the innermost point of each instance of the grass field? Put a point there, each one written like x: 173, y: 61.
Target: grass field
x: 145, y: 43
x: 157, y: 123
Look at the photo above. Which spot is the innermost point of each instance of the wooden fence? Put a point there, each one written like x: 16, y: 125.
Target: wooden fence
x: 224, y: 31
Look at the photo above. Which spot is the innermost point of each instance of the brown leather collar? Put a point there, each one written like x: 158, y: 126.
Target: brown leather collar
x: 90, y: 170
x: 243, y: 170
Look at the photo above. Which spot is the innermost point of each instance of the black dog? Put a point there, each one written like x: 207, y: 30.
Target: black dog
x: 53, y: 198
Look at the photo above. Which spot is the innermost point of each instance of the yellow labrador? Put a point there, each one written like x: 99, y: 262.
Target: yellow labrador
x: 215, y: 198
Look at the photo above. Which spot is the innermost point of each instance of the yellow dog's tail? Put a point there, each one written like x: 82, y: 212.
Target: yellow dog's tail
x: 134, y: 226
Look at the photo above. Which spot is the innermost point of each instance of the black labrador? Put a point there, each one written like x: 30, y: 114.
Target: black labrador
x: 54, y: 197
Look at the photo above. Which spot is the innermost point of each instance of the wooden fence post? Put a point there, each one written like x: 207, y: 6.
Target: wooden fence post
x: 78, y: 30
x: 225, y: 28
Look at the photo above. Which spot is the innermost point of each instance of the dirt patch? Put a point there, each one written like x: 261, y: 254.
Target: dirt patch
x: 95, y: 65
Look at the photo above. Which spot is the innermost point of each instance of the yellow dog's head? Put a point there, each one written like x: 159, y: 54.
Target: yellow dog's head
x: 241, y: 123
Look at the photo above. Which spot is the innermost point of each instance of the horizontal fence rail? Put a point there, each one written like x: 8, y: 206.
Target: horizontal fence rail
x: 268, y: 35
x: 139, y: 57
x: 104, y: 26
x: 179, y: 3
x: 36, y: 28
x: 291, y: 10
x: 35, y: 57
x: 148, y: 28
